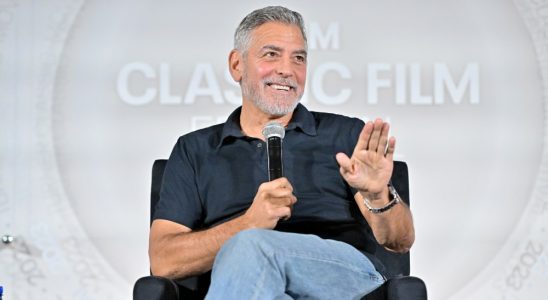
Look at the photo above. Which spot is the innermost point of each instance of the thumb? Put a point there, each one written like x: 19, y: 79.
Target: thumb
x: 344, y: 162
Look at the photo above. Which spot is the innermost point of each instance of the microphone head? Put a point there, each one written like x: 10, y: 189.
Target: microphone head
x: 273, y: 128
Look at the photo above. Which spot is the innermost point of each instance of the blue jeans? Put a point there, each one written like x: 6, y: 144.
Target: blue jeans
x: 267, y: 264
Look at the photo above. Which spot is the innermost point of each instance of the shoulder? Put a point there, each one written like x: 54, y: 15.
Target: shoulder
x: 336, y: 121
x: 201, y: 140
x: 342, y: 131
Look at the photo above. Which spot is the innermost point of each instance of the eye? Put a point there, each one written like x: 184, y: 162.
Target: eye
x: 300, y: 58
x: 270, y: 54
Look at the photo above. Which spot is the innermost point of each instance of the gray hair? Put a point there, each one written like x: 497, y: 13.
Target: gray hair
x: 256, y: 18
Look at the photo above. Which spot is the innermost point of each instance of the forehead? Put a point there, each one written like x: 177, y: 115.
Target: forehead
x: 279, y: 34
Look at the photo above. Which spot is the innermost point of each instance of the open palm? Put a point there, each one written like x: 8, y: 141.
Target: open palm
x: 370, y: 167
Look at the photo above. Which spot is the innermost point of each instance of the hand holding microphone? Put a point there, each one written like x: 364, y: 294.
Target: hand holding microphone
x: 274, y: 199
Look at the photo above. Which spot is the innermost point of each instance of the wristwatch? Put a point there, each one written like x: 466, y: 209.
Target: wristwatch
x: 395, y: 199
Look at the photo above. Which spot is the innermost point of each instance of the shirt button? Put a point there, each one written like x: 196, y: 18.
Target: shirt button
x: 259, y: 145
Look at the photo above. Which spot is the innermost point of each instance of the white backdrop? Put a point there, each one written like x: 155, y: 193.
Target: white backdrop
x: 92, y: 92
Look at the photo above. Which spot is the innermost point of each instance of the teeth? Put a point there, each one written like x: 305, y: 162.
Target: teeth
x: 280, y: 87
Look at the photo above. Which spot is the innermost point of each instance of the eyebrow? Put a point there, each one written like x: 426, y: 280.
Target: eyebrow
x: 279, y: 49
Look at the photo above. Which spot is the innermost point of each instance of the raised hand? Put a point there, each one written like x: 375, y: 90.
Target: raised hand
x: 370, y: 167
x: 273, y: 202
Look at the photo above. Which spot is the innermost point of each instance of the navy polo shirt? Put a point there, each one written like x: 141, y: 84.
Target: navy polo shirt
x: 214, y: 173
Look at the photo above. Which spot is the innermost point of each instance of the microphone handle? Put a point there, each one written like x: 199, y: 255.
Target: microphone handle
x: 274, y: 151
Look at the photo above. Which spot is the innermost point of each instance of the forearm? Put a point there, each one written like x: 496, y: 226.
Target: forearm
x: 179, y: 255
x: 393, y: 228
x: 176, y: 251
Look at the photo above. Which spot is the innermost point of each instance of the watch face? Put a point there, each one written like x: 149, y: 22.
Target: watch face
x: 459, y: 81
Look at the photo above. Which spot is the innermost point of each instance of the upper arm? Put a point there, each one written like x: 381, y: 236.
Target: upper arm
x: 179, y: 195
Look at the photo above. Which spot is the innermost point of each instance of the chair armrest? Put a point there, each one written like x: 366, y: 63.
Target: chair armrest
x: 161, y: 288
x: 406, y: 288
x: 400, y: 288
x: 155, y: 288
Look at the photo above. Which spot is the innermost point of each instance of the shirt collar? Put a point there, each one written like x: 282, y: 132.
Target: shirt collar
x: 302, y: 119
x: 231, y: 127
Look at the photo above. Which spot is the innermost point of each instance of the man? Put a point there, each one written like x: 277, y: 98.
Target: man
x: 217, y: 208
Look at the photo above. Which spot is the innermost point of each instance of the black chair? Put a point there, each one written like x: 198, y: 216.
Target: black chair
x: 399, y: 286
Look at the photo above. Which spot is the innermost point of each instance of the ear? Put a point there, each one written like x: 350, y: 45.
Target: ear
x: 235, y: 65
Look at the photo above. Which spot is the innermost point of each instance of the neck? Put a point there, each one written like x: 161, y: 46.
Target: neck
x: 253, y: 120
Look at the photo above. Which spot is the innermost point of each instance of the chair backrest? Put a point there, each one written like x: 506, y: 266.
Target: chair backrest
x: 157, y: 177
x: 396, y: 264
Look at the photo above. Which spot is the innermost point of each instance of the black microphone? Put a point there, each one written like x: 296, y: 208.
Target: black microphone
x: 274, y: 133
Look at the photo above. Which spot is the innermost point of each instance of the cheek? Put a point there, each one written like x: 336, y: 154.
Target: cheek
x: 301, y: 76
x: 264, y: 70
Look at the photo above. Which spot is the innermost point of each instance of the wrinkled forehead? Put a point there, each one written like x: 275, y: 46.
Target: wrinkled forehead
x: 278, y: 34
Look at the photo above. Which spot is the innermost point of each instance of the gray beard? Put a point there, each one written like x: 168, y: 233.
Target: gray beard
x: 276, y: 108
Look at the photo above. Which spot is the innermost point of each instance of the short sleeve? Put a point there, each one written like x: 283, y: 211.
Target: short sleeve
x: 179, y: 197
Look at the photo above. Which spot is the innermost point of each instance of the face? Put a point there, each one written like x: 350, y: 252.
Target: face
x: 273, y: 72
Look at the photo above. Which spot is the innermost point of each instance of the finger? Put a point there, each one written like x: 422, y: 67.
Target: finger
x: 344, y: 162
x: 282, y: 213
x: 381, y: 148
x: 363, y: 139
x: 391, y: 148
x: 281, y: 182
x: 283, y: 201
x: 279, y: 192
x: 374, y: 140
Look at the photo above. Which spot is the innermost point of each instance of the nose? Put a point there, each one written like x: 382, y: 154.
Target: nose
x: 284, y: 67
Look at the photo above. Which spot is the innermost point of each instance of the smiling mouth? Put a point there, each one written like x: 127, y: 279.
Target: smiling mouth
x: 280, y: 87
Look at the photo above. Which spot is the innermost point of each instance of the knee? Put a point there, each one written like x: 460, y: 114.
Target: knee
x: 251, y: 235
x: 248, y: 242
x: 248, y: 238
